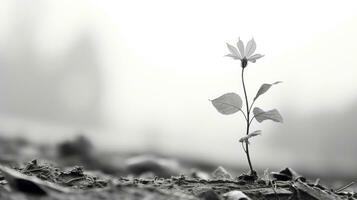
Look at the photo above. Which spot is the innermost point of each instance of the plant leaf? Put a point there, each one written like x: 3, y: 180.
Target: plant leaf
x: 250, y: 135
x: 228, y: 103
x: 261, y: 115
x: 264, y: 88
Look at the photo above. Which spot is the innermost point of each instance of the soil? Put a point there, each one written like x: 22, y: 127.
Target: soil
x: 56, y: 177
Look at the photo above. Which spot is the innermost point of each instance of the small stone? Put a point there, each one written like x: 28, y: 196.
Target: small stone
x: 221, y: 173
x: 235, y: 195
x: 160, y: 167
x: 209, y: 195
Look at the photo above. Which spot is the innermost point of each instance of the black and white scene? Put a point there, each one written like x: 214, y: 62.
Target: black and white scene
x: 178, y: 100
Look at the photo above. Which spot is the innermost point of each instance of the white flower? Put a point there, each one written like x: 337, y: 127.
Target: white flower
x: 244, y: 54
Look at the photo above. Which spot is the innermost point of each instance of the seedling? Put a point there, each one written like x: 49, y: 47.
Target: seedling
x: 231, y: 103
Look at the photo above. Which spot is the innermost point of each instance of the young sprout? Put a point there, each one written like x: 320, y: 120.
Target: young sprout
x: 231, y: 103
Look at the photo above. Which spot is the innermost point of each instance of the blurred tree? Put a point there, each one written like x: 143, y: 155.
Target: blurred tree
x: 65, y: 89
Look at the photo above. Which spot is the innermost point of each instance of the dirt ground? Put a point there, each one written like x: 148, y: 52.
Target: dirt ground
x: 71, y: 170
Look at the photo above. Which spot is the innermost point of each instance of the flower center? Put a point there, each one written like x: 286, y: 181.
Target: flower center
x: 244, y: 62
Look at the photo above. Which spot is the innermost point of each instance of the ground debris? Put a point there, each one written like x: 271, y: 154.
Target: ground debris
x: 287, y: 174
x: 269, y: 191
x: 29, y: 184
x: 73, y: 177
x: 317, y: 192
x: 53, y: 183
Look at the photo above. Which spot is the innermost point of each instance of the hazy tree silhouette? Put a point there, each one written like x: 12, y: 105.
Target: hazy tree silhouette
x: 65, y: 89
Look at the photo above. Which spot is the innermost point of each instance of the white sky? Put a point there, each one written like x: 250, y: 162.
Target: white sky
x: 163, y: 60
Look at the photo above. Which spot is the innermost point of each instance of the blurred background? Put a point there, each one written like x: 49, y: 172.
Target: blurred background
x: 136, y: 76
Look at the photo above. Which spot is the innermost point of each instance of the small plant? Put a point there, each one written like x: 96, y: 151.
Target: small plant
x: 231, y: 103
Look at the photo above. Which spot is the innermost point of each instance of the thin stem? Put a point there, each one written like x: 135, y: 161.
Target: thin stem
x: 243, y: 114
x: 246, y: 100
x: 345, y: 187
x: 244, y: 148
x: 248, y: 123
x: 251, y: 120
x: 251, y: 105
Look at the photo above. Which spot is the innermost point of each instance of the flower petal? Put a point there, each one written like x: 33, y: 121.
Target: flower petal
x: 255, y: 57
x: 251, y: 46
x: 235, y: 57
x: 234, y: 51
x: 241, y: 47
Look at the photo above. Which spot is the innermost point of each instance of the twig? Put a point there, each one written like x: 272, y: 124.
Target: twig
x: 317, y: 182
x: 75, y: 179
x: 36, y: 169
x: 273, y: 185
x: 297, y: 193
x: 344, y: 187
x: 244, y: 148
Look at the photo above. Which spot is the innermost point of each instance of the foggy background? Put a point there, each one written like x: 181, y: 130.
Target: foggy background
x: 137, y: 76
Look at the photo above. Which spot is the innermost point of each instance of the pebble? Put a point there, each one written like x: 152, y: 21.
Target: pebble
x: 157, y: 166
x: 209, y: 195
x: 235, y: 195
